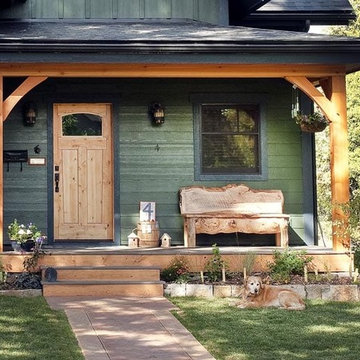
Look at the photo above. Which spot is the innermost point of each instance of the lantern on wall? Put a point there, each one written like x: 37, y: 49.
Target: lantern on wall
x: 157, y: 113
x: 29, y: 114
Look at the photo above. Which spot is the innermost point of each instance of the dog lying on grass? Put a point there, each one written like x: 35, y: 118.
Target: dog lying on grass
x: 257, y: 295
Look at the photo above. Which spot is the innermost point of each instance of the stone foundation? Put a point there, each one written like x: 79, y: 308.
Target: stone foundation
x: 311, y: 292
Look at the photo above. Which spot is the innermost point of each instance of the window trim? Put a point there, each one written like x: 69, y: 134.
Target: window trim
x: 229, y: 99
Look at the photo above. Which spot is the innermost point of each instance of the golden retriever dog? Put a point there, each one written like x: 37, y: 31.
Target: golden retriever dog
x: 257, y: 295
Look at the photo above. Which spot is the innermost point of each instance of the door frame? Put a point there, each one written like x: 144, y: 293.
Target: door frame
x: 115, y: 105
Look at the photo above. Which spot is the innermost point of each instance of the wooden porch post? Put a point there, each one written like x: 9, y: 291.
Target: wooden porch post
x: 333, y: 104
x: 1, y: 166
x: 339, y: 163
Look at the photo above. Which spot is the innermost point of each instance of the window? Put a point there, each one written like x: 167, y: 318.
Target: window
x: 229, y: 139
x: 81, y: 125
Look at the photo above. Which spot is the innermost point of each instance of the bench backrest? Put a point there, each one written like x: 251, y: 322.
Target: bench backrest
x: 232, y: 199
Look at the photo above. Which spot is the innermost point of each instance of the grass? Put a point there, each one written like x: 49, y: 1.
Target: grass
x: 325, y: 330
x: 30, y: 330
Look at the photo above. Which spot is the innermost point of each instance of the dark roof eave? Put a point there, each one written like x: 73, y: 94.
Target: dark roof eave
x: 182, y: 47
x: 316, y: 18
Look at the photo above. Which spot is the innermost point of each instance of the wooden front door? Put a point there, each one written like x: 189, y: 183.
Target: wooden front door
x: 83, y: 172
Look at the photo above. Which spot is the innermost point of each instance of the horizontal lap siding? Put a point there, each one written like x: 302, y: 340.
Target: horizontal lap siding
x: 25, y: 192
x: 155, y: 161
x: 203, y: 10
x: 148, y: 174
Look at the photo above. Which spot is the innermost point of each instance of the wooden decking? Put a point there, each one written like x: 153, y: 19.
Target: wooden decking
x: 325, y: 259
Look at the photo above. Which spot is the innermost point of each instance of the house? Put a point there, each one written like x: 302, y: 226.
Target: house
x: 96, y: 67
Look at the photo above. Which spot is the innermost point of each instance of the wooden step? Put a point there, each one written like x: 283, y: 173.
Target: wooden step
x: 103, y: 288
x: 123, y: 273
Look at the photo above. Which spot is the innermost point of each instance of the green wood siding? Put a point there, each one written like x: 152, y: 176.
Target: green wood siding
x: 148, y: 174
x: 205, y: 10
x: 25, y: 192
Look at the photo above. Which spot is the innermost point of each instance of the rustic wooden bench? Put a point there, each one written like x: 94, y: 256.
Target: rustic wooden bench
x: 230, y: 209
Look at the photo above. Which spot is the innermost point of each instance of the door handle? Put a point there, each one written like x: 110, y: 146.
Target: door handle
x: 57, y: 179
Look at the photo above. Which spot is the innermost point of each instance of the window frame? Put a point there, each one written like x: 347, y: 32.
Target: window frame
x: 199, y: 100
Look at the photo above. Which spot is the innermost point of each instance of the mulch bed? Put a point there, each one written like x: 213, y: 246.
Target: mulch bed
x: 238, y: 279
x: 22, y: 281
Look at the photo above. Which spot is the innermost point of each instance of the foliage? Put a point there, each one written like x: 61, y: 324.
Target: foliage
x: 177, y: 271
x: 2, y: 273
x: 249, y: 262
x: 30, y: 263
x: 215, y: 264
x: 353, y: 107
x: 353, y: 29
x: 230, y: 333
x: 288, y: 263
x: 21, y: 233
x: 29, y: 329
x: 322, y: 146
x: 313, y: 118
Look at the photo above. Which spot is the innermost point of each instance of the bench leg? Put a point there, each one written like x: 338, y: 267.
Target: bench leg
x: 282, y: 238
x: 189, y: 233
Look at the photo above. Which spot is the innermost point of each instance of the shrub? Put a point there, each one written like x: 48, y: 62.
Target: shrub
x: 356, y: 249
x: 249, y: 262
x: 215, y: 264
x: 177, y: 271
x: 288, y: 263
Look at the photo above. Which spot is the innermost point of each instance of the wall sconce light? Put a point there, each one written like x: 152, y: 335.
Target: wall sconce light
x: 157, y: 113
x: 29, y: 114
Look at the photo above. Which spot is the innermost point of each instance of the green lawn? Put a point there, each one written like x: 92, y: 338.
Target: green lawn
x: 325, y: 330
x: 30, y: 330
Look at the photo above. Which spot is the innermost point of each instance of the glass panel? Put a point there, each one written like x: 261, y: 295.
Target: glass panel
x: 248, y: 116
x: 219, y: 118
x: 228, y: 154
x: 81, y: 124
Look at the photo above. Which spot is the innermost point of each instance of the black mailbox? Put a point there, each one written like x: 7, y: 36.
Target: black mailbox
x: 15, y: 156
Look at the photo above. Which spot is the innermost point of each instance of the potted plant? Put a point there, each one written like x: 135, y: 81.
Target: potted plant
x: 24, y: 237
x: 315, y: 122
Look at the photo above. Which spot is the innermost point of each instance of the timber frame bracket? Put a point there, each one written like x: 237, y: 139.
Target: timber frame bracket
x: 28, y: 84
x: 321, y: 99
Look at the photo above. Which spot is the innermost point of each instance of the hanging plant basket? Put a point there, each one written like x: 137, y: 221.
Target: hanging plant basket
x: 312, y: 123
x: 314, y: 127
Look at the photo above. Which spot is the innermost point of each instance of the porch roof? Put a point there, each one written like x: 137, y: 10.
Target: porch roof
x: 165, y: 41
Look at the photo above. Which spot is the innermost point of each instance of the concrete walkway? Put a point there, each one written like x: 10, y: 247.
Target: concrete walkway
x: 128, y: 329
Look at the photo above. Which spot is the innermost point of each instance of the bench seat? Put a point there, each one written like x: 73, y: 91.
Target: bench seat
x: 232, y: 208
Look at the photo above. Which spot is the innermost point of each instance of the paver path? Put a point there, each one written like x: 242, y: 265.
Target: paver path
x: 128, y: 329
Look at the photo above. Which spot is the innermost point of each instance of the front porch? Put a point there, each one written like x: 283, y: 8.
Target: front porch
x: 242, y: 72
x: 325, y: 259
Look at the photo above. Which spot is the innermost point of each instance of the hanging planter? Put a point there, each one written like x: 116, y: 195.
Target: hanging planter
x: 312, y: 123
